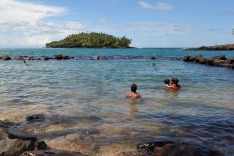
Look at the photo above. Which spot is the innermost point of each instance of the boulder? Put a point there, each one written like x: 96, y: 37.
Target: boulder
x: 229, y: 61
x: 15, y: 133
x: 61, y: 57
x: 148, y: 147
x: 218, y: 62
x: 3, y: 134
x: 36, y: 117
x: 198, y: 58
x: 5, y: 57
x: 15, y: 147
x: 186, y: 58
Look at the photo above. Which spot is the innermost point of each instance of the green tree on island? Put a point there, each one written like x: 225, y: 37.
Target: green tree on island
x: 91, y: 40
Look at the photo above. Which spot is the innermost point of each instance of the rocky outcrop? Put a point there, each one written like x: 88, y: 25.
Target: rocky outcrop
x: 170, y: 148
x: 220, y: 61
x: 5, y: 57
x: 15, y: 142
x: 216, y: 47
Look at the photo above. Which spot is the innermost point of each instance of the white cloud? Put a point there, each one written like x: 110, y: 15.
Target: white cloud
x: 23, y: 24
x: 158, y: 6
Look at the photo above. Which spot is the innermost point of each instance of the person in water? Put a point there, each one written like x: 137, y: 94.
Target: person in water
x: 134, y: 94
x: 167, y: 84
x: 174, y: 83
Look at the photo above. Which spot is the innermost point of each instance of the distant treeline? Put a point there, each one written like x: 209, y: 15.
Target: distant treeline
x: 91, y: 40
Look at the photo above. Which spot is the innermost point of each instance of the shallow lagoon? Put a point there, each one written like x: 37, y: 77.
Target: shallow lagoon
x: 85, y: 105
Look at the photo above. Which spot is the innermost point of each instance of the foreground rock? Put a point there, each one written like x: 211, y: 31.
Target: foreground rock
x: 217, y: 47
x: 169, y: 148
x: 15, y: 142
x: 221, y: 61
x: 50, y: 153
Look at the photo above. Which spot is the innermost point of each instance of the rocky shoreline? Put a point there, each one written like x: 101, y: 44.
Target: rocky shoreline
x: 216, y: 47
x: 17, y: 142
x: 220, y: 61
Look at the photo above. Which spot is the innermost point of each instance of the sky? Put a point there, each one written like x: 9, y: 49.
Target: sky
x: 149, y: 23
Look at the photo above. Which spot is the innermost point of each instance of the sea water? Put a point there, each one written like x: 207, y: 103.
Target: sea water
x: 85, y: 102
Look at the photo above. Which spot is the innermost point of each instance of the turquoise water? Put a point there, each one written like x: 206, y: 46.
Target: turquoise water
x: 86, y: 109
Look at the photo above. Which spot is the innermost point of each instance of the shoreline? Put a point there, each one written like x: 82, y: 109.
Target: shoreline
x: 216, y: 48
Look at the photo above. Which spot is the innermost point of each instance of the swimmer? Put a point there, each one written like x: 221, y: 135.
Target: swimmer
x: 133, y: 94
x: 174, y: 83
x: 167, y: 84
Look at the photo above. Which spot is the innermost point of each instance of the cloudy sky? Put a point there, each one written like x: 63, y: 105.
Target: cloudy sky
x: 149, y: 23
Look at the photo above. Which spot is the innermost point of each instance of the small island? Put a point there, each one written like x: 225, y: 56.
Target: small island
x: 216, y: 47
x: 91, y: 40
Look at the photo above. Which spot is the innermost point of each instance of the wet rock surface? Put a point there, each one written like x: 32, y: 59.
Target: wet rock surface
x: 220, y: 61
x: 15, y: 142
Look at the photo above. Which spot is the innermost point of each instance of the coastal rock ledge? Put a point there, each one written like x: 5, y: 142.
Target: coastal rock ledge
x: 216, y: 47
x: 220, y: 61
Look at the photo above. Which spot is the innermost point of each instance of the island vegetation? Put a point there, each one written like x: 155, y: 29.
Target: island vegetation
x: 91, y: 40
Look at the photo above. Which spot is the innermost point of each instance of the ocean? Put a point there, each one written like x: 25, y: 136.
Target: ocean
x: 85, y: 105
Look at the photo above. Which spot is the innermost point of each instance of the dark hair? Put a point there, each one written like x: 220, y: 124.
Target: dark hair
x: 133, y: 88
x: 175, y: 80
x: 167, y: 81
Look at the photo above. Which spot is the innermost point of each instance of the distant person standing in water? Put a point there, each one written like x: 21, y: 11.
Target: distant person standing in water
x: 134, y: 94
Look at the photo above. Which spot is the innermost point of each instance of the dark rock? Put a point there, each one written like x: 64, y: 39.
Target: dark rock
x: 5, y: 57
x: 3, y: 134
x: 198, y: 58
x: 153, y: 58
x: 217, y: 47
x: 51, y: 153
x: 61, y: 57
x: 229, y: 61
x: 218, y: 62
x: 177, y: 150
x: 14, y: 133
x: 213, y: 152
x: 40, y: 145
x: 6, y: 124
x: 149, y: 147
x: 186, y: 58
x: 36, y: 117
x: 208, y: 61
x: 15, y: 147
x: 192, y: 59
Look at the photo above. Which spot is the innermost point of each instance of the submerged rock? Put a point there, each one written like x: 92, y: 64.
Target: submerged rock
x: 15, y: 133
x: 36, y: 117
x: 14, y: 147
x: 50, y: 153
